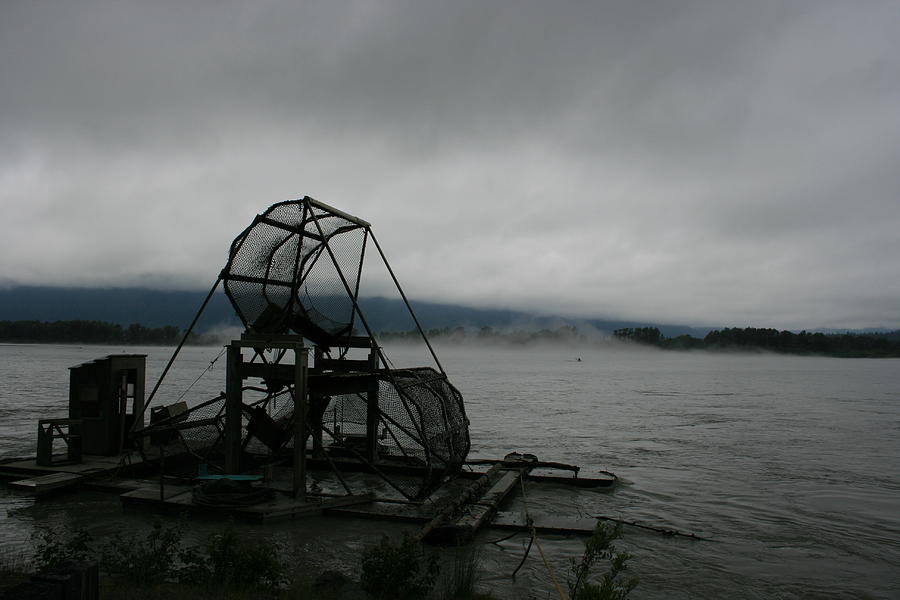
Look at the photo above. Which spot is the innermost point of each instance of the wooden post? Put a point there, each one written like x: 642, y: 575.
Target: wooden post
x: 233, y: 416
x: 301, y: 359
x: 318, y: 444
x: 373, y: 415
x: 162, y: 467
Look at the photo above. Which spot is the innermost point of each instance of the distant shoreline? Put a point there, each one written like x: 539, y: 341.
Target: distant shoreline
x: 843, y: 345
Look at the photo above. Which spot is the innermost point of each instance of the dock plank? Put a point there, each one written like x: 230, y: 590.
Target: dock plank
x: 545, y: 523
x: 478, y: 513
x: 409, y: 513
x: 44, y: 484
x: 280, y: 507
x: 501, y: 488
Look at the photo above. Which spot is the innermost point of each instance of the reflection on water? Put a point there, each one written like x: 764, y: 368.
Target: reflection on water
x: 790, y: 465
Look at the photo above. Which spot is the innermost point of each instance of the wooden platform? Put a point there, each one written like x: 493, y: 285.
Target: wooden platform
x: 456, y: 511
x: 179, y: 498
x: 91, y: 465
x: 45, y: 484
x: 545, y: 523
x: 94, y: 472
x: 477, y: 512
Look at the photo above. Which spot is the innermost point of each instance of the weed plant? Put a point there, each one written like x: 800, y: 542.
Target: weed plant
x: 159, y: 565
x: 460, y: 580
x: 226, y: 563
x: 600, y: 548
x: 398, y: 570
x: 53, y: 547
x: 231, y: 562
x: 144, y: 562
x: 13, y: 569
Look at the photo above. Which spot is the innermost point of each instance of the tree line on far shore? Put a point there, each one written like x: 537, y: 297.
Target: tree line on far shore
x: 88, y: 332
x: 728, y: 339
x: 861, y: 345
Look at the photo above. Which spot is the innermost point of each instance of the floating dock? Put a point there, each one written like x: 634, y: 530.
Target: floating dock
x: 180, y: 499
x: 453, y: 515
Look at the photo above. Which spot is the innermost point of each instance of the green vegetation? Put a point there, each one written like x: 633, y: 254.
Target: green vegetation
x: 227, y: 563
x: 459, y: 583
x: 13, y: 569
x: 873, y: 345
x: 599, y: 548
x: 159, y: 565
x: 87, y: 332
x: 234, y: 563
x: 146, y: 562
x: 398, y: 570
x: 97, y: 332
x: 53, y: 547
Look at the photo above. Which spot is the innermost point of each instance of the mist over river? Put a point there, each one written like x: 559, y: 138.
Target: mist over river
x: 790, y: 466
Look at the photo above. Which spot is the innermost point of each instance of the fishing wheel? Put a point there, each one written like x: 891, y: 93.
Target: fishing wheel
x: 293, y: 275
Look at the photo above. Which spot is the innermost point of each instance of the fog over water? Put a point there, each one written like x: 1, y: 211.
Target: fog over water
x: 790, y: 466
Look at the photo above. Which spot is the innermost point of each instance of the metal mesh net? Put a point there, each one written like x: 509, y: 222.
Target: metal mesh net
x: 422, y: 424
x: 296, y: 268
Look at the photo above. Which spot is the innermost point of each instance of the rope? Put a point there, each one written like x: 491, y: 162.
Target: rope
x: 178, y: 349
x: 534, y: 539
x: 200, y: 376
x: 562, y: 594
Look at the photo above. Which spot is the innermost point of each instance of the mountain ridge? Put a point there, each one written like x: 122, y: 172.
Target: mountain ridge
x: 159, y: 308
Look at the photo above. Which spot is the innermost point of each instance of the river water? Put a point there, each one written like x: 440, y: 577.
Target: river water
x: 789, y: 466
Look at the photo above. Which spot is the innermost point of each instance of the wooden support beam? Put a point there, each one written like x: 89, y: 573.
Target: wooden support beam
x: 233, y: 412
x: 331, y: 364
x: 301, y: 409
x: 373, y: 413
x: 347, y: 383
x: 353, y: 341
x: 271, y: 372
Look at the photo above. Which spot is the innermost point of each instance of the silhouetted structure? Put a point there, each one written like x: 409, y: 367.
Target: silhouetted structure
x: 293, y: 277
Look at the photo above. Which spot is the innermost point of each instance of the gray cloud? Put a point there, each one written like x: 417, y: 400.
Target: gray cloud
x: 704, y: 162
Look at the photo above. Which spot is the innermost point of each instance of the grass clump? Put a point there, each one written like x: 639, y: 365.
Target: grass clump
x: 226, y: 563
x: 145, y: 561
x: 399, y: 570
x: 600, y: 548
x: 13, y: 570
x: 232, y: 562
x: 54, y: 547
x: 460, y: 581
x: 159, y: 564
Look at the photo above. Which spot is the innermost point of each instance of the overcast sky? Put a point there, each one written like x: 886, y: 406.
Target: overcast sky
x: 707, y: 163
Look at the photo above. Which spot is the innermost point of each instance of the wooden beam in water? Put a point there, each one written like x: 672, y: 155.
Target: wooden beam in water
x: 479, y: 512
x: 545, y: 524
x: 465, y: 497
x: 45, y: 484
